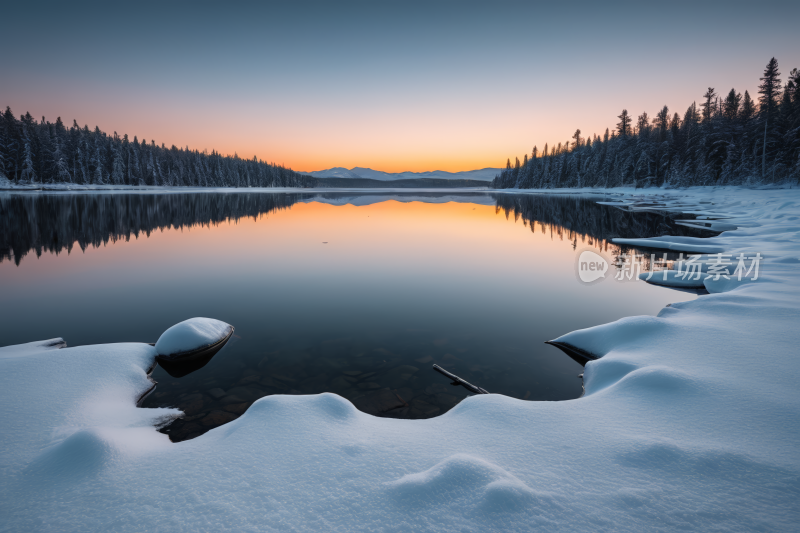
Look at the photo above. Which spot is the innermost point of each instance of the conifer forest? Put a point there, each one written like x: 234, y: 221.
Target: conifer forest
x: 46, y: 152
x: 727, y: 139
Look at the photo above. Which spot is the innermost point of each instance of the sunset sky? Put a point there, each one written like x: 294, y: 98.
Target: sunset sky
x: 392, y: 86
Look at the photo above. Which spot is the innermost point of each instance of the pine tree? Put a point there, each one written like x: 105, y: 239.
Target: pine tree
x: 769, y: 90
x: 61, y: 173
x: 662, y: 123
x: 28, y: 171
x: 97, y: 164
x: 118, y: 171
x: 13, y: 146
x: 730, y: 107
x: 624, y: 124
x: 642, y: 129
x: 748, y: 108
x: 707, y: 106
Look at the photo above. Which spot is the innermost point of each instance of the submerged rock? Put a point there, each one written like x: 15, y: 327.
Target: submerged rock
x: 217, y: 393
x: 378, y: 402
x: 217, y: 418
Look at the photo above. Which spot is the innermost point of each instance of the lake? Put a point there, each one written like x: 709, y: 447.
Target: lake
x: 356, y: 294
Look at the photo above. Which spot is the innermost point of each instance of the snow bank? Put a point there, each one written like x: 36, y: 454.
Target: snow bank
x: 690, y: 421
x: 695, y: 246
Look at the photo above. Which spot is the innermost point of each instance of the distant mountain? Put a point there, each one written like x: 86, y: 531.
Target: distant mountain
x: 483, y: 174
x: 335, y: 172
x: 415, y: 183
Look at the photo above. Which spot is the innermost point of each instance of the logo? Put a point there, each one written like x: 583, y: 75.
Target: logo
x: 591, y: 266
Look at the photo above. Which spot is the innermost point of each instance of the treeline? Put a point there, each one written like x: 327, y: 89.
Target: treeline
x: 727, y: 140
x: 43, y: 152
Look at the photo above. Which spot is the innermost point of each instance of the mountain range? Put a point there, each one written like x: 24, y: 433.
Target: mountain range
x: 483, y: 174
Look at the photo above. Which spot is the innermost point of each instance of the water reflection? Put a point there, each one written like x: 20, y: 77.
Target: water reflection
x: 406, y: 281
x: 55, y: 223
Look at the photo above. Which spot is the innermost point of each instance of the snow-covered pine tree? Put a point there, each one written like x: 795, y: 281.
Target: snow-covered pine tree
x: 769, y: 89
x: 118, y: 172
x: 624, y: 124
x: 28, y: 174
x: 61, y: 173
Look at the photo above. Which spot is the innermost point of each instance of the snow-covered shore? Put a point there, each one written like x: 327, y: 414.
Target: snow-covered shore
x: 690, y: 421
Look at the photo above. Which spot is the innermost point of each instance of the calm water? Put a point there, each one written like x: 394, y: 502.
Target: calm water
x: 353, y: 294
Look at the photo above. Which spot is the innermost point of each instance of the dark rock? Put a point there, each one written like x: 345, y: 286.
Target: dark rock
x: 269, y: 382
x: 232, y: 398
x: 339, y: 385
x: 191, y: 428
x: 217, y: 418
x: 249, y: 393
x: 423, y: 409
x: 314, y: 385
x: 191, y: 397
x: 216, y: 393
x: 236, y: 408
x: 403, y: 369
x: 448, y: 400
x: 193, y: 407
x: 402, y: 412
x: 406, y: 393
x: 377, y: 402
x: 435, y: 388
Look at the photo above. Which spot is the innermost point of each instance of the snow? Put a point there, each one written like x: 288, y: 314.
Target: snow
x: 690, y: 421
x: 677, y: 244
x: 335, y: 172
x: 675, y: 279
x: 32, y: 347
x: 191, y: 335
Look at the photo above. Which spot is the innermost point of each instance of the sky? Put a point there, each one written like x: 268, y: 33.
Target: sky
x: 393, y: 86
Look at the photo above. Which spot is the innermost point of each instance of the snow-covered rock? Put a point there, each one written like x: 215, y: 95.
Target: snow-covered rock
x: 192, y: 336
